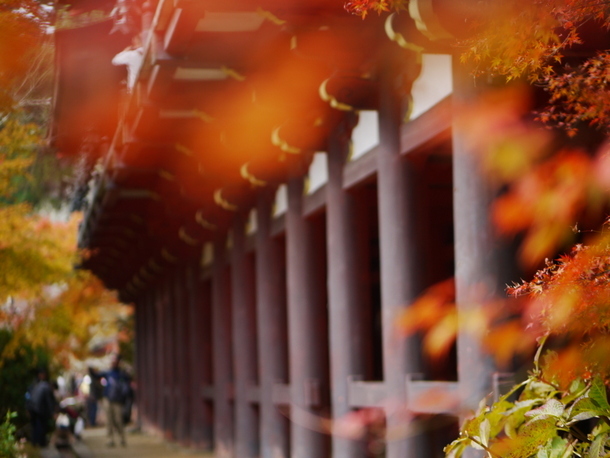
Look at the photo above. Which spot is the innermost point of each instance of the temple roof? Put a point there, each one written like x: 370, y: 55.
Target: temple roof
x: 227, y: 98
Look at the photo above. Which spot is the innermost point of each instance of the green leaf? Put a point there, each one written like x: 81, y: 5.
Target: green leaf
x: 568, y: 452
x: 596, y: 449
x: 598, y: 394
x: 484, y: 430
x: 515, y: 417
x: 601, y: 428
x: 583, y: 409
x: 538, y: 389
x: 497, y: 416
x: 532, y: 436
x: 554, y: 448
x: 552, y: 407
x: 456, y: 448
x: 577, y: 389
x: 577, y: 386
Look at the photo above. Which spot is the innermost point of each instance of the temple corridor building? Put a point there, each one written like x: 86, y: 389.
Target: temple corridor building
x: 271, y: 183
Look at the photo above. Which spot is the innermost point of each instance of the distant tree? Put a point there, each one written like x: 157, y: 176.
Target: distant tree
x: 66, y: 319
x: 47, y: 308
x: 17, y: 374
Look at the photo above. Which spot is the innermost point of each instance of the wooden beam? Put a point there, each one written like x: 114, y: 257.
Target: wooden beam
x: 432, y: 127
x: 366, y: 394
x: 281, y: 394
x: 180, y: 29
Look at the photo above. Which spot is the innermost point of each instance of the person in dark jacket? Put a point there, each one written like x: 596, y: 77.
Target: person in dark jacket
x: 95, y: 395
x: 116, y: 392
x: 41, y: 408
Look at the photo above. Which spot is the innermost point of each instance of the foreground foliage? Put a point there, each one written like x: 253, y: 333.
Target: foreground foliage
x: 9, y: 447
x: 559, y: 45
x: 562, y: 409
x: 539, y: 419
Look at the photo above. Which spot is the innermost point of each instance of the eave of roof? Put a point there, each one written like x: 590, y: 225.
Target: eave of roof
x: 216, y: 114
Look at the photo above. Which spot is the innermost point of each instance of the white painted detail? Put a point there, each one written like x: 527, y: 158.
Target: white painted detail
x: 365, y: 135
x: 281, y: 201
x: 251, y: 224
x: 318, y: 172
x: 427, y: 21
x: 433, y: 84
x: 132, y: 58
x: 240, y: 21
x: 200, y: 74
x: 207, y: 255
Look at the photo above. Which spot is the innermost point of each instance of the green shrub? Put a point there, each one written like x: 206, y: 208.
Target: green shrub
x: 9, y: 446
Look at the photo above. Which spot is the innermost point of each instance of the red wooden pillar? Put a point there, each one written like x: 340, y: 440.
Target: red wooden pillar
x: 169, y: 368
x: 272, y: 337
x: 478, y: 255
x: 161, y: 357
x: 306, y: 328
x: 142, y: 318
x: 200, y: 358
x: 148, y: 377
x: 346, y: 303
x: 398, y: 261
x: 155, y: 358
x: 138, y: 316
x: 183, y: 373
x: 244, y: 343
x: 222, y: 353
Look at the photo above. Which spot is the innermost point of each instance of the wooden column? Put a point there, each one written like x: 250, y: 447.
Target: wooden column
x: 150, y: 375
x: 345, y: 300
x: 244, y: 342
x: 272, y: 337
x: 143, y: 397
x: 138, y: 312
x: 200, y: 358
x: 161, y: 357
x: 143, y: 392
x: 183, y: 373
x: 306, y: 329
x: 222, y: 353
x: 398, y: 261
x: 478, y: 255
x: 153, y: 357
x: 169, y: 361
x: 174, y: 293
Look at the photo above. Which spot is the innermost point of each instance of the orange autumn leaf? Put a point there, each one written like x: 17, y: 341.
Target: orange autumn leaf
x: 507, y: 340
x: 510, y: 215
x: 440, y: 337
x: 428, y: 309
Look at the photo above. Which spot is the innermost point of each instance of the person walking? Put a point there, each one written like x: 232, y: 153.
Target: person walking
x: 94, y: 395
x: 116, y: 391
x: 41, y: 408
